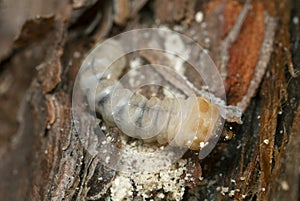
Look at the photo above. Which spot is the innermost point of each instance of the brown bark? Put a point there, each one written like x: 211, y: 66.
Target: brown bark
x: 41, y: 155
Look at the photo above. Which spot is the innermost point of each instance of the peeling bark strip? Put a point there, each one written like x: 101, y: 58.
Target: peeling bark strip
x: 232, y: 36
x: 244, y: 54
x: 264, y: 58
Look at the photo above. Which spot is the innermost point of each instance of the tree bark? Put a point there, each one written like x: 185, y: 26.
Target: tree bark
x: 42, y: 157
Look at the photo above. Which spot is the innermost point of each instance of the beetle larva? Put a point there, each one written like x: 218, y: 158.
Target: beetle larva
x: 180, y: 122
x: 190, y: 122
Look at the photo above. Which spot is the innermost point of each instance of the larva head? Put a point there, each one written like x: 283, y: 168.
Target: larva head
x: 209, y: 115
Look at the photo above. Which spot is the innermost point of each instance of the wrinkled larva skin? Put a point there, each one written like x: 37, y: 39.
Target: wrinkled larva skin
x: 179, y: 122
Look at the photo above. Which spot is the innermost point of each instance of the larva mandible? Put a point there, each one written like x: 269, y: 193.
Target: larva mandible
x: 180, y: 122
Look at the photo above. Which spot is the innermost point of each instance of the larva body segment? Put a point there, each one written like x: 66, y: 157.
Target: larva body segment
x: 208, y: 122
x: 96, y: 65
x: 178, y: 122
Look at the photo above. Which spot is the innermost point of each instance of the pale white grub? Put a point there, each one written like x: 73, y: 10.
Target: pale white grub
x: 184, y: 122
x: 187, y: 123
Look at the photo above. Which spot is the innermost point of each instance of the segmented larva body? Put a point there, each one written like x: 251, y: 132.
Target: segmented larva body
x: 179, y: 122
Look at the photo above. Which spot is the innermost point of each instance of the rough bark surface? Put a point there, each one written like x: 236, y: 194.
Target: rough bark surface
x: 41, y: 155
